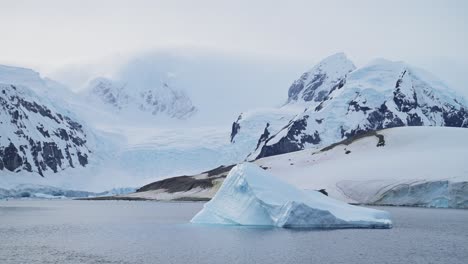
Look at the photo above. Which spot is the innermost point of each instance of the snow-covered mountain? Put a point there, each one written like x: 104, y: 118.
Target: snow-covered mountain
x: 411, y: 166
x: 53, y: 130
x: 47, y: 130
x: 335, y: 100
x: 35, y: 135
x: 133, y: 99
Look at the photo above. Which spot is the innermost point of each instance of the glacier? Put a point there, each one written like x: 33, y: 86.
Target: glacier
x: 35, y: 191
x: 253, y: 197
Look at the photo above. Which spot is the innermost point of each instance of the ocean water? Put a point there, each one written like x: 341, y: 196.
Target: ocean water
x: 153, y: 232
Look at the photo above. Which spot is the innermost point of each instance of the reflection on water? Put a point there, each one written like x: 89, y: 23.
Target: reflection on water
x: 151, y: 232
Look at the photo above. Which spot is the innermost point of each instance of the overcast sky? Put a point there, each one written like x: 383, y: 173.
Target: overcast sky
x: 52, y: 35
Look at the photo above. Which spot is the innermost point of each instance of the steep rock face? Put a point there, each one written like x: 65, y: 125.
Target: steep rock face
x: 316, y: 84
x: 130, y: 98
x: 35, y: 137
x: 383, y: 94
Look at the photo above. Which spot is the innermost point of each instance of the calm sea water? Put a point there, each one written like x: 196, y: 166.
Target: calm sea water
x: 152, y: 232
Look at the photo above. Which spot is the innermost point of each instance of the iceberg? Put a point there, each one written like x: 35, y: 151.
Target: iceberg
x: 252, y: 196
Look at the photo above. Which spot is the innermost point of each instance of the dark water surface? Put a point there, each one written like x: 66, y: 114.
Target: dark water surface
x: 152, y: 232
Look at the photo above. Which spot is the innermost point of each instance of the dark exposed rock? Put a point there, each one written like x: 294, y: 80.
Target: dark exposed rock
x: 435, y: 108
x: 219, y: 171
x: 74, y: 125
x: 356, y: 107
x: 321, y: 95
x: 235, y: 128
x: 52, y: 155
x: 323, y: 191
x: 348, y: 141
x: 294, y: 140
x: 187, y: 183
x: 381, y: 138
x: 403, y: 102
x: 319, y: 107
x: 10, y: 157
x: 68, y: 156
x: 36, y: 108
x: 338, y: 85
x: 44, y: 132
x: 62, y: 133
x: 414, y: 120
x: 178, y: 184
x: 82, y: 158
x: 297, y: 87
x: 315, y: 83
x: 264, y: 136
x: 381, y: 118
x: 60, y: 142
x: 456, y: 118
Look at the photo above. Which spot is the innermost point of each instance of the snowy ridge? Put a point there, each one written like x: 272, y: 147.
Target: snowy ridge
x: 136, y: 98
x: 21, y: 76
x: 50, y: 91
x: 382, y: 94
x: 252, y: 196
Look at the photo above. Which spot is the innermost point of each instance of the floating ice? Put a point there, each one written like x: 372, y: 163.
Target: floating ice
x: 251, y: 196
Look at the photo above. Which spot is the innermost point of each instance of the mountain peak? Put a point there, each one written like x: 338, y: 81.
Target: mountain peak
x: 336, y: 58
x: 321, y: 80
x: 133, y: 97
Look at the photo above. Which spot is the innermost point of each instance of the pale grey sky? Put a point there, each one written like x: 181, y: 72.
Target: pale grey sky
x: 50, y: 34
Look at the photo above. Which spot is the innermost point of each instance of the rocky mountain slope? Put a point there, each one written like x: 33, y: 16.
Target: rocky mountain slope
x: 46, y: 130
x: 335, y: 100
x: 36, y: 136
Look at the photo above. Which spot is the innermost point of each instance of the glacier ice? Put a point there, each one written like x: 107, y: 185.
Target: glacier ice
x: 252, y: 196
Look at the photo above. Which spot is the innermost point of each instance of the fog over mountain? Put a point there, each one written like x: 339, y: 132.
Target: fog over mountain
x: 226, y: 49
x: 219, y: 85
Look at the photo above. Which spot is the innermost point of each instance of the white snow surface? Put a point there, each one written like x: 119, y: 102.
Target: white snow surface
x: 418, y: 166
x: 252, y: 196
